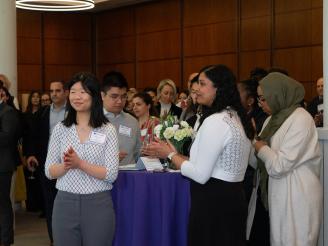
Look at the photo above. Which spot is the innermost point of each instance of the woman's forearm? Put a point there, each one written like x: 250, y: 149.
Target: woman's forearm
x: 96, y: 171
x: 178, y: 159
x: 57, y: 170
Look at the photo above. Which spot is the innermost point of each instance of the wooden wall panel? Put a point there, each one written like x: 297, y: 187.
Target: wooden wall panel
x: 161, y: 15
x: 250, y: 60
x: 128, y: 69
x: 293, y: 29
x: 317, y: 61
x: 115, y: 43
x: 297, y: 61
x: 255, y: 33
x: 172, y: 38
x: 115, y: 23
x: 316, y: 27
x: 151, y: 73
x: 210, y: 39
x: 65, y: 40
x: 67, y: 26
x: 282, y: 6
x: 116, y: 50
x: 62, y: 72
x: 255, y: 8
x: 67, y: 52
x: 28, y: 23
x: 158, y: 45
x: 67, y: 45
x: 28, y: 50
x: 317, y: 4
x: 209, y: 11
x: 310, y: 90
x: 29, y: 78
x: 195, y: 64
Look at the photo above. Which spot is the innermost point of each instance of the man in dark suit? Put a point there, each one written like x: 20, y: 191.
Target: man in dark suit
x: 46, y: 119
x: 315, y: 107
x: 9, y: 123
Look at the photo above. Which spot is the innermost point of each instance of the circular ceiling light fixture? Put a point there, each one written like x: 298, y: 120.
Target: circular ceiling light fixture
x: 55, y: 5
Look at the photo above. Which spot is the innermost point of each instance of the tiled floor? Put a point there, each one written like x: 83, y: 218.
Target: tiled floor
x: 30, y: 230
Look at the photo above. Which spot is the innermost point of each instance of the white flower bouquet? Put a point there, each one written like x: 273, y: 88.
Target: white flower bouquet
x: 176, y: 132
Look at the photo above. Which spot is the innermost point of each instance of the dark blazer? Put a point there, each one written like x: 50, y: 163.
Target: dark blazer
x: 37, y: 142
x: 174, y: 110
x: 313, y: 106
x: 9, y: 124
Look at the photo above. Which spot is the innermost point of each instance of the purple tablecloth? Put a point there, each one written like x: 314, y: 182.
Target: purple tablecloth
x: 151, y: 209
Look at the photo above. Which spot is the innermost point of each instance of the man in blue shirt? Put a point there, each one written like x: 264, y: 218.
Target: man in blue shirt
x: 37, y: 147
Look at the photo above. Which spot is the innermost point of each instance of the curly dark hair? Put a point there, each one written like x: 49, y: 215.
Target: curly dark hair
x: 250, y: 86
x: 91, y: 85
x: 227, y: 95
x: 10, y: 100
x: 148, y: 101
x: 258, y: 73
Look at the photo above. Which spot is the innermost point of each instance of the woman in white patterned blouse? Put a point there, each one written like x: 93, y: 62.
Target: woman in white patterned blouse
x: 83, y: 157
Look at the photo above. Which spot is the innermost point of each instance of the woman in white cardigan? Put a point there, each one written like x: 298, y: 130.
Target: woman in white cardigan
x: 288, y: 153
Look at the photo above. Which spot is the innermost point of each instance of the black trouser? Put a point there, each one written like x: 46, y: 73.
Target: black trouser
x: 260, y: 233
x: 49, y: 194
x: 218, y: 214
x: 34, y: 201
x: 6, y: 210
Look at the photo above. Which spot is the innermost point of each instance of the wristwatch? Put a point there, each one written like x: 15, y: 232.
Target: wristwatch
x: 170, y: 156
x: 257, y: 138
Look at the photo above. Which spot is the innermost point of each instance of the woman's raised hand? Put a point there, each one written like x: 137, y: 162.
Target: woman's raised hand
x: 158, y: 149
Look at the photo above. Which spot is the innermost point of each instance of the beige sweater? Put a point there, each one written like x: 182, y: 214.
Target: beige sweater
x: 295, y: 192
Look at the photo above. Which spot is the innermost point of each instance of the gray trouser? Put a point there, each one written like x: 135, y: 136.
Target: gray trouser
x: 83, y: 219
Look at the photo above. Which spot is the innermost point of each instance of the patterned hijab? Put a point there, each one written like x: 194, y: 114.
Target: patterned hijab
x: 283, y: 95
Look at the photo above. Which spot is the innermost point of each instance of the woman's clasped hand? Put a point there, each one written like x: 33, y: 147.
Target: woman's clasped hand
x: 71, y: 159
x: 158, y: 149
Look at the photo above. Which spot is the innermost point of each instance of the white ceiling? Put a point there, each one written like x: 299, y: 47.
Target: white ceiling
x: 111, y: 4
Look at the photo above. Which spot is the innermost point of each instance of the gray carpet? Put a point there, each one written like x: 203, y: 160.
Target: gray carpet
x: 30, y: 230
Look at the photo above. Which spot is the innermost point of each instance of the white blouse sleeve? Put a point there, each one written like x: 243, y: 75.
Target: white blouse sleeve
x: 213, y: 134
x: 54, y: 149
x: 111, y: 155
x: 252, y: 161
x: 298, y: 145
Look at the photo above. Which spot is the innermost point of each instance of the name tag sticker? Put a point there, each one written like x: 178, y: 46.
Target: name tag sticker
x: 320, y: 108
x: 143, y: 132
x: 124, y: 130
x: 97, y: 137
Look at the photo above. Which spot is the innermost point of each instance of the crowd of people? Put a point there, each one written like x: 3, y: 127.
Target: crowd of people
x: 253, y: 165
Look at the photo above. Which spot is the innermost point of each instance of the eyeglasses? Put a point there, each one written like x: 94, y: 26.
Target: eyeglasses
x: 115, y: 97
x: 260, y: 98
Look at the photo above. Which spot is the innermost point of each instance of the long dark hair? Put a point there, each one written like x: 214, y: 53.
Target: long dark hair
x: 10, y: 100
x: 192, y: 107
x: 227, y: 95
x: 148, y: 101
x: 250, y: 86
x: 91, y: 85
x: 29, y: 106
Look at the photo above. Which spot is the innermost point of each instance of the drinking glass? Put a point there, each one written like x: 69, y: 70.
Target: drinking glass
x: 32, y: 170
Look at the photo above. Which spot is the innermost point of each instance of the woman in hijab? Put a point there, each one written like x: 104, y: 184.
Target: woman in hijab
x: 289, y: 156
